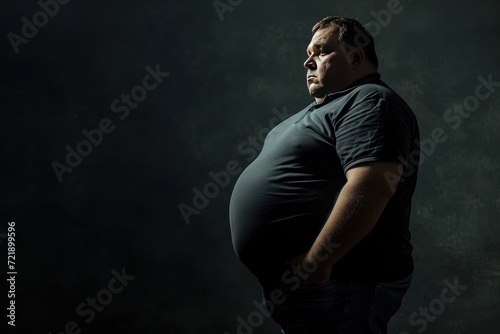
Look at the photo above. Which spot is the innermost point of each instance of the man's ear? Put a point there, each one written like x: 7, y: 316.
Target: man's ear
x: 357, y: 57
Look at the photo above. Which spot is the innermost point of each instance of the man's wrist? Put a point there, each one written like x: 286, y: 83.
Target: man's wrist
x: 314, y: 260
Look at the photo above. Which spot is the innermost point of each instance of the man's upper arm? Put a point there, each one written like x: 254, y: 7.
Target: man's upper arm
x: 372, y: 177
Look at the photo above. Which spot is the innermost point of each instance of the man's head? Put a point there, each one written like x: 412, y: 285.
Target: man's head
x: 341, y: 52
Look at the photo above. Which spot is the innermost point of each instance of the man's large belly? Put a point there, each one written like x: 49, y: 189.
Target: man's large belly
x: 277, y: 214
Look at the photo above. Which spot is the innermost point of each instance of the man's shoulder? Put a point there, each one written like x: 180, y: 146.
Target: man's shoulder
x: 379, y: 90
x: 376, y: 90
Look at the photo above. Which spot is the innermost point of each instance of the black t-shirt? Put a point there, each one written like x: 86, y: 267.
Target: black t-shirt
x: 282, y: 199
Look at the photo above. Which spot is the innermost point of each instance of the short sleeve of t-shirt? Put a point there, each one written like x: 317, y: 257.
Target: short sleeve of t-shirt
x: 374, y: 129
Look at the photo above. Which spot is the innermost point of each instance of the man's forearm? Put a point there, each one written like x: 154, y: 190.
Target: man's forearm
x: 356, y: 211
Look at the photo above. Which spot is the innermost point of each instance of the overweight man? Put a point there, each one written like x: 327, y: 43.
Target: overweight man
x: 321, y: 216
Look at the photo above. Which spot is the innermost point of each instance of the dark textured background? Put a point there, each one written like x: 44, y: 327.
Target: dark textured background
x: 119, y: 207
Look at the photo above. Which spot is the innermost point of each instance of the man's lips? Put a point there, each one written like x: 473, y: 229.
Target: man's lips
x: 309, y: 77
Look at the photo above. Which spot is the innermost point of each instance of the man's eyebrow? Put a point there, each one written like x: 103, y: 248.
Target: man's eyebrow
x: 316, y: 45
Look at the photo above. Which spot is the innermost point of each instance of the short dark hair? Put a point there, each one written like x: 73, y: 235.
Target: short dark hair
x: 351, y: 32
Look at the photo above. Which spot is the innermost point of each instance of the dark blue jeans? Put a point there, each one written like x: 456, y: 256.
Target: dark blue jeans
x: 336, y: 307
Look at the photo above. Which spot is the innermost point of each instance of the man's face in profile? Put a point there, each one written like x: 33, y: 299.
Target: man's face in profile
x: 327, y: 68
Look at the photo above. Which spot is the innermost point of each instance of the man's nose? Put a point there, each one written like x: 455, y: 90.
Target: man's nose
x: 310, y: 63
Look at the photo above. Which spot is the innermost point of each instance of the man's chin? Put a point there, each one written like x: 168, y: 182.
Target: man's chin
x: 316, y: 92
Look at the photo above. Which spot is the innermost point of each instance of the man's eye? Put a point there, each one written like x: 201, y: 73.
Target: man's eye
x: 321, y: 52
